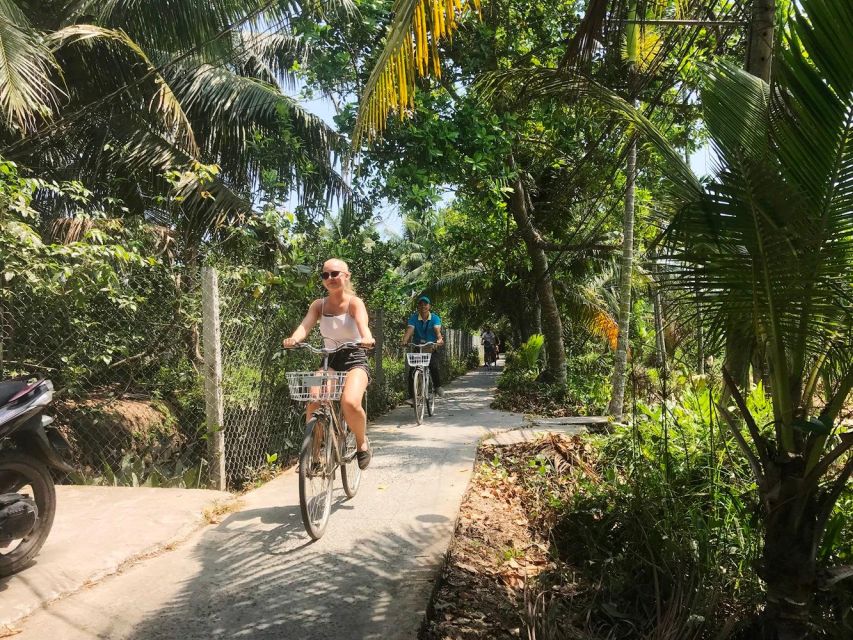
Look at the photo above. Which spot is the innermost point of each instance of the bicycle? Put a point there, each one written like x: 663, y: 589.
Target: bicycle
x: 489, y: 357
x: 328, y: 444
x: 423, y: 395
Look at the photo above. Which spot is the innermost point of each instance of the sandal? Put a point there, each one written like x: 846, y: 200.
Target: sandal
x: 364, y: 457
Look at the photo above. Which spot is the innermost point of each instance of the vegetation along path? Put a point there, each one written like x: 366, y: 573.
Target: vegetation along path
x: 256, y: 575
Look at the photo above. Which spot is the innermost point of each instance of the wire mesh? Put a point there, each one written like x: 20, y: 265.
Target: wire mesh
x: 128, y: 365
x: 314, y: 386
x: 418, y: 359
x: 124, y: 359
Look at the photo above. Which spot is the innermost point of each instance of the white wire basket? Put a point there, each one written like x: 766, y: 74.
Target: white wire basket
x: 313, y: 386
x: 418, y: 359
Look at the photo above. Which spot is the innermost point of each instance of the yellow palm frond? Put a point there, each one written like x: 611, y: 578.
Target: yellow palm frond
x: 604, y: 326
x: 411, y: 51
x: 643, y: 43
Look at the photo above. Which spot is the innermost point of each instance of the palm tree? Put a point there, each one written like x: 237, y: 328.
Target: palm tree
x: 770, y: 242
x: 412, y: 49
x: 120, y: 93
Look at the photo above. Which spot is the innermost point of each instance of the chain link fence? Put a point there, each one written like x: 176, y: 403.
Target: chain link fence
x: 261, y: 425
x: 130, y: 363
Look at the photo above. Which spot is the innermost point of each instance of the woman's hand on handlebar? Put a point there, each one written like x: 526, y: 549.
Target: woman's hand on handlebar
x: 289, y: 343
x: 367, y: 343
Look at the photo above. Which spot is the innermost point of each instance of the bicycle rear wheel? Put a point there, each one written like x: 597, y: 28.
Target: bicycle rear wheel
x: 350, y: 471
x: 316, y: 474
x: 420, y: 400
x: 429, y: 393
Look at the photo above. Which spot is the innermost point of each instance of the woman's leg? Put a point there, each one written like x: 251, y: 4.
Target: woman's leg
x: 354, y: 414
x: 311, y: 407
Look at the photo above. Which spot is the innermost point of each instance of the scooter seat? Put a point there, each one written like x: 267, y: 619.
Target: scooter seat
x: 10, y: 388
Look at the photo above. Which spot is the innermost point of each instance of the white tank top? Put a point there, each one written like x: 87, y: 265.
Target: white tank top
x: 337, y: 329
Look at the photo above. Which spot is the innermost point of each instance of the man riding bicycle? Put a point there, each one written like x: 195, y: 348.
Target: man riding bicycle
x: 424, y: 326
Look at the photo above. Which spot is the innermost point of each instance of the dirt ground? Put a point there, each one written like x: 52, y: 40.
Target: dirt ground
x: 489, y: 586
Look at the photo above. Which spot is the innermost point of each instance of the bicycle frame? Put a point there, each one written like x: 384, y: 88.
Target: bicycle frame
x: 327, y: 442
x: 421, y: 395
x: 330, y: 409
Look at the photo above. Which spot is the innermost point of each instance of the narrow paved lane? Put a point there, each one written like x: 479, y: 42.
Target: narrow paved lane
x: 256, y: 575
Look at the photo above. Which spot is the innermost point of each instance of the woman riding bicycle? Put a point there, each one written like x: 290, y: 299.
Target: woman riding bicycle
x: 343, y: 318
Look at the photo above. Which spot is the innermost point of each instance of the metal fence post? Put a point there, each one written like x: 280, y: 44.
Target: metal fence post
x: 213, y: 400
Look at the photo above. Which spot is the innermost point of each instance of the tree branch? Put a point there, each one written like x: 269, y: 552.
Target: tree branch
x: 747, y: 416
x: 813, y: 477
x: 744, y: 446
x: 576, y: 248
x: 827, y: 502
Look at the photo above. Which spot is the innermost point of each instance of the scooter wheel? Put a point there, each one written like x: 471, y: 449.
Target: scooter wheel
x: 20, y: 473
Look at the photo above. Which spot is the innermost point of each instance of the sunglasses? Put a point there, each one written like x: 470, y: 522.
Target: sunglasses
x: 331, y: 274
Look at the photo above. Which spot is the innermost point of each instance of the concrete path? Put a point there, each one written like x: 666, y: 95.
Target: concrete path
x: 257, y: 575
x: 97, y: 531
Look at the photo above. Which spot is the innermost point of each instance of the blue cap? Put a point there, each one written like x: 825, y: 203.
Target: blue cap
x: 424, y: 299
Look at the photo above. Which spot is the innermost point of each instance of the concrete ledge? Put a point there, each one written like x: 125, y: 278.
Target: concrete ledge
x: 97, y: 531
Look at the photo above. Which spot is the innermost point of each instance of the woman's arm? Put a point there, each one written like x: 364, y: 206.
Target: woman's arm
x: 359, y: 314
x: 304, y: 328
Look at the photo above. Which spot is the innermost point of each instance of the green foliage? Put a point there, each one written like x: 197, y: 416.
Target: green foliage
x: 669, y: 524
x: 529, y: 352
x: 134, y: 472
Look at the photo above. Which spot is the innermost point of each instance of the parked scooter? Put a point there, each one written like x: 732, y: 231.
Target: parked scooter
x: 29, y: 446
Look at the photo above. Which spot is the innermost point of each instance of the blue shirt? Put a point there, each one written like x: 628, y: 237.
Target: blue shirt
x: 424, y: 329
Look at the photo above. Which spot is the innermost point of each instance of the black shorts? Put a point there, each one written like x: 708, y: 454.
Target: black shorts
x: 347, y: 359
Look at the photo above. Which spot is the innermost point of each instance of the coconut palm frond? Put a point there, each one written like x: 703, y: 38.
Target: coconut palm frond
x: 771, y: 241
x: 411, y: 51
x: 230, y: 106
x: 586, y: 40
x: 586, y: 306
x: 539, y: 84
x: 468, y: 287
x: 198, y: 25
x: 270, y: 57
x: 163, y: 101
x: 68, y: 230
x: 27, y: 92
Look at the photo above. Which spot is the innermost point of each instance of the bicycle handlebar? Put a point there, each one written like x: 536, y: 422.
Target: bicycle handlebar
x: 326, y: 350
x: 422, y: 344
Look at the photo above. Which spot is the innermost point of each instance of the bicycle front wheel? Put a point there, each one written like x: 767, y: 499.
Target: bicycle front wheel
x: 316, y: 474
x: 420, y: 399
x: 350, y: 471
x: 429, y: 394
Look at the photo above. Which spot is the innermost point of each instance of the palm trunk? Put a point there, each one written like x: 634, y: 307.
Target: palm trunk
x: 660, y: 342
x: 617, y: 398
x: 552, y: 326
x: 789, y: 566
x: 759, y: 56
x: 700, y: 342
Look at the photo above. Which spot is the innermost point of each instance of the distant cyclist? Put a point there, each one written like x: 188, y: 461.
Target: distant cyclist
x: 343, y: 318
x: 424, y: 326
x: 490, y: 345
